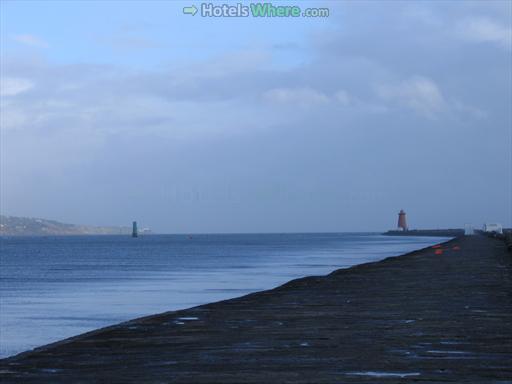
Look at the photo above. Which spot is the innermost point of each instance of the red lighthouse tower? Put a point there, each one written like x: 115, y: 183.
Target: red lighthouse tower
x: 402, y: 221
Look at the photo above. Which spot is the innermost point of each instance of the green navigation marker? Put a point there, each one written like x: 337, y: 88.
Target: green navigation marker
x: 190, y: 10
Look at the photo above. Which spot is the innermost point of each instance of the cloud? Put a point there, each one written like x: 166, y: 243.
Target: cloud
x: 300, y: 96
x: 105, y: 100
x: 342, y: 97
x: 31, y: 40
x: 325, y: 128
x: 485, y: 30
x: 10, y: 86
x: 417, y: 93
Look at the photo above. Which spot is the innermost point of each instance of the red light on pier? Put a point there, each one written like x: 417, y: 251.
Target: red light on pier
x: 402, y: 221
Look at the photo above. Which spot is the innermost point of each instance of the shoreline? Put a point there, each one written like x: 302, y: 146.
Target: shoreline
x: 174, y: 273
x: 294, y: 330
x: 142, y: 318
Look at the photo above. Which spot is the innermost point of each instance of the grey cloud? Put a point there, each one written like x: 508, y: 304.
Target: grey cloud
x: 236, y: 144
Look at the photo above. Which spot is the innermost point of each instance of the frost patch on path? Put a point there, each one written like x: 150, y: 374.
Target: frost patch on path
x: 449, y: 342
x: 183, y: 320
x: 384, y: 374
x: 450, y: 352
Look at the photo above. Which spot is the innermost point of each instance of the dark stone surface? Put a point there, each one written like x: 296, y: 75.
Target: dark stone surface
x: 421, y: 317
x: 455, y: 232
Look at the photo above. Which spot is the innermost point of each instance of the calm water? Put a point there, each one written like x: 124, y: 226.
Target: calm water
x: 56, y: 287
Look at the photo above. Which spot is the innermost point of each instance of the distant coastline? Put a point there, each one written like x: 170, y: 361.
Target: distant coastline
x: 30, y: 226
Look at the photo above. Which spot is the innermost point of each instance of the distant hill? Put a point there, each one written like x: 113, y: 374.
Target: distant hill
x: 29, y: 226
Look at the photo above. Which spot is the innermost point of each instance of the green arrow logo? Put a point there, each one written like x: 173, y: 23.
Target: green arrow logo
x: 190, y: 10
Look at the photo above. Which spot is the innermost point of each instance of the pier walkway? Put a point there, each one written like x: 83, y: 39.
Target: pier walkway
x: 432, y: 316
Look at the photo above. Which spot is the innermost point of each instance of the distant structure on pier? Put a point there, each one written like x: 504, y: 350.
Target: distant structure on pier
x: 402, y: 221
x: 468, y: 229
x: 135, y: 232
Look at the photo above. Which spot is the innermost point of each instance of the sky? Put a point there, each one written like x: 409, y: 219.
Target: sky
x: 119, y: 111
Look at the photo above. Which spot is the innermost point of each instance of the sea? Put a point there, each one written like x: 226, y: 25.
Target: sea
x: 56, y: 287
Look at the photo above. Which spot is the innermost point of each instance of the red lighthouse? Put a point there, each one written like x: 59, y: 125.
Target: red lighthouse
x: 402, y: 221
